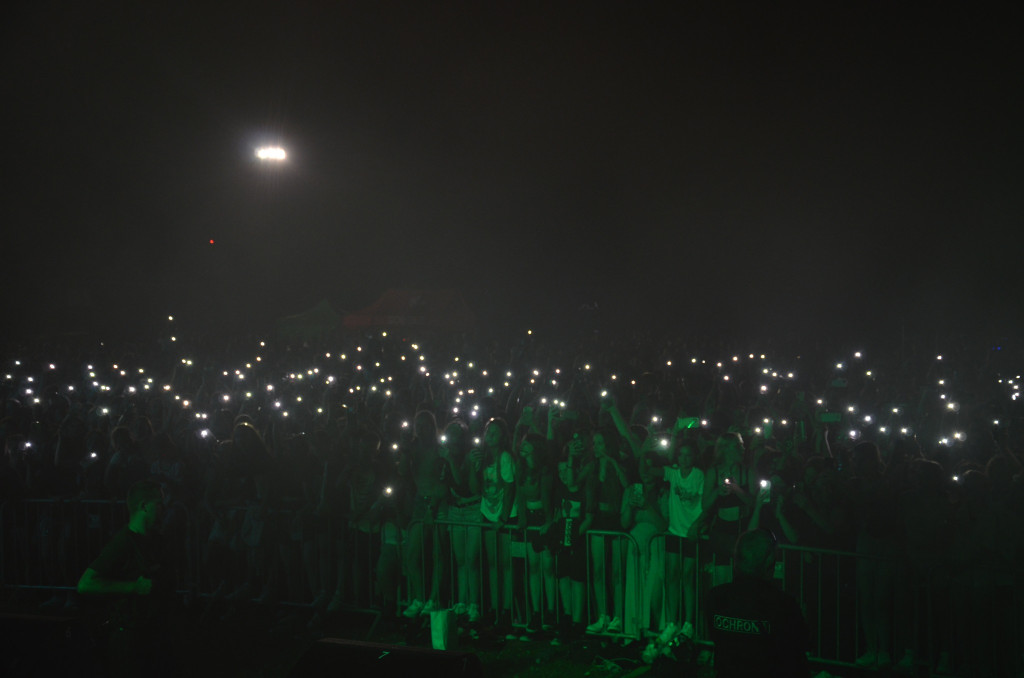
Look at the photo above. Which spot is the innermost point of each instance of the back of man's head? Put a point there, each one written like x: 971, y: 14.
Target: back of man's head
x: 755, y: 554
x: 141, y: 493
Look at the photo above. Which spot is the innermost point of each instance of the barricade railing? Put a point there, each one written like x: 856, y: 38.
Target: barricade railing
x: 945, y: 617
x: 824, y: 582
x: 621, y: 583
x: 290, y: 555
x: 466, y: 551
x: 524, y: 583
x: 46, y: 544
x: 667, y: 595
x: 462, y: 555
x: 969, y: 613
x: 936, y: 614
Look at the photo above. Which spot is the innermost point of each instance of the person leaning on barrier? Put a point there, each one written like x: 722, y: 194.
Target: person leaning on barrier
x: 757, y: 629
x: 132, y: 570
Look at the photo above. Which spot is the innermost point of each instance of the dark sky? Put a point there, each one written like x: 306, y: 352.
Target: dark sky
x: 741, y: 165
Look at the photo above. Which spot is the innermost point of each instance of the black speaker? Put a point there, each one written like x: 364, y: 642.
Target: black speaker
x: 329, y: 656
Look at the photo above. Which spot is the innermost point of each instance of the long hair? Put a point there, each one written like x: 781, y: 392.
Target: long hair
x: 426, y: 420
x: 720, y: 446
x: 456, y: 434
x: 867, y: 462
x: 540, y: 458
x: 504, y: 443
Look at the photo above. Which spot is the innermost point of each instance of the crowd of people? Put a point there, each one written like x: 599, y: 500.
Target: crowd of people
x: 542, y: 488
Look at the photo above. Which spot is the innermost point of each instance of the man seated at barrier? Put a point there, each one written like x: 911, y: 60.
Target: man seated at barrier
x: 757, y: 629
x: 132, y: 570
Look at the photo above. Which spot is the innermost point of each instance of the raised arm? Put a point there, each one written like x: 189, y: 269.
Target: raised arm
x: 622, y: 426
x: 93, y: 583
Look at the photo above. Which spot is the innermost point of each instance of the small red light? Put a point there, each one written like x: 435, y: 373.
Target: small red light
x: 211, y: 241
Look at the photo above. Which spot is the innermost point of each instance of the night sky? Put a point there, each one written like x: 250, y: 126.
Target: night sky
x: 747, y: 167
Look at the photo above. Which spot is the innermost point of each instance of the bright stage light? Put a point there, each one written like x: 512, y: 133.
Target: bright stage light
x: 271, y: 153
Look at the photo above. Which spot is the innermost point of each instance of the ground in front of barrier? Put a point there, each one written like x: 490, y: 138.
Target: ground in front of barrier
x: 267, y: 642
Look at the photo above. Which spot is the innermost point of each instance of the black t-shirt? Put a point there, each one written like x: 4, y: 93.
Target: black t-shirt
x: 758, y: 630
x: 127, y: 557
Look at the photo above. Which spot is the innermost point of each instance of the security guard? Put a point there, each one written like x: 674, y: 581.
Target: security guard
x: 131, y: 573
x: 757, y: 629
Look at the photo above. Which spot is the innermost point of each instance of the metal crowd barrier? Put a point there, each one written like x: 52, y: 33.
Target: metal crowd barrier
x: 972, y: 614
x: 947, y: 619
x: 982, y: 625
x: 291, y: 556
x: 46, y: 544
x: 625, y: 549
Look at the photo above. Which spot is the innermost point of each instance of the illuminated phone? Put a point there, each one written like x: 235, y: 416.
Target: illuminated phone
x: 687, y: 422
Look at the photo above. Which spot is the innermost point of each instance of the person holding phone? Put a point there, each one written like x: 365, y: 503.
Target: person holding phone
x: 535, y: 479
x: 728, y: 495
x: 771, y: 502
x: 575, y: 513
x: 464, y: 514
x: 493, y: 478
x: 607, y: 484
x: 643, y: 516
x: 422, y: 470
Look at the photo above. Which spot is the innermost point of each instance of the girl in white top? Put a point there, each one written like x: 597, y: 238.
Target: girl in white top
x: 685, y: 490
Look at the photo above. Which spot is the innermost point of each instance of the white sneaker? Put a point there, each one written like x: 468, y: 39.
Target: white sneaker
x: 688, y: 630
x: 429, y: 607
x: 615, y: 625
x: 414, y: 608
x: 473, y: 614
x: 600, y: 625
x: 668, y: 633
x: 460, y: 609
